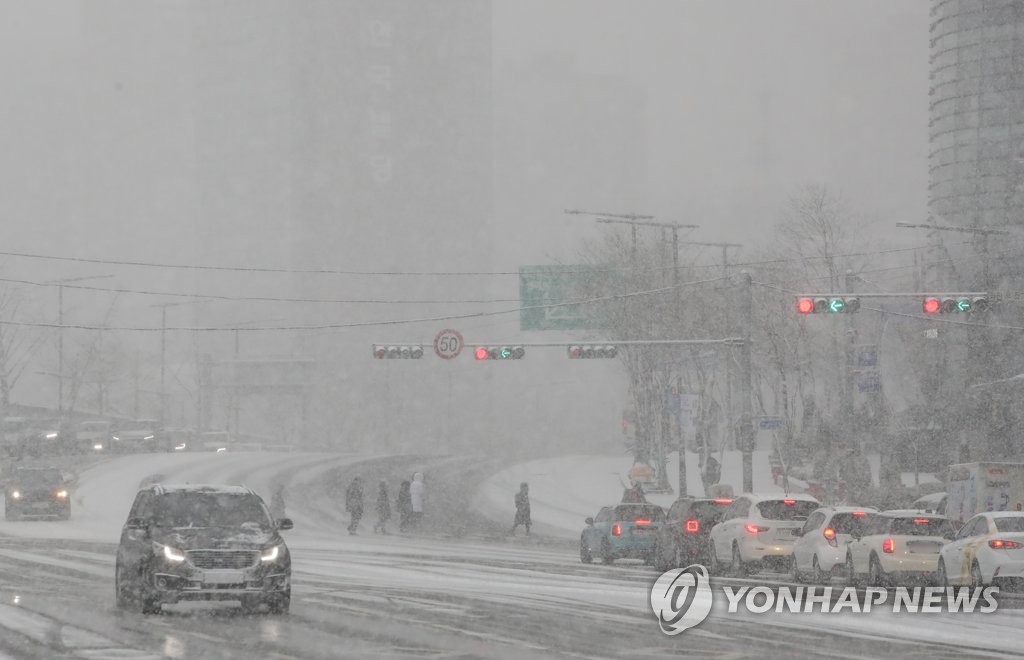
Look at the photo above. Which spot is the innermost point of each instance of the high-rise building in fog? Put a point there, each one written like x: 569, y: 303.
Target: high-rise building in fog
x: 977, y: 112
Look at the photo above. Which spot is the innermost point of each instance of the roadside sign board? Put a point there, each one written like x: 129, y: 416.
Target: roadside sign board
x: 865, y: 356
x: 769, y: 423
x: 546, y: 294
x: 448, y: 344
x: 868, y: 381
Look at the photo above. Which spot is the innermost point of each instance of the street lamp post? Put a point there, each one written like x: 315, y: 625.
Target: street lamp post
x: 163, y: 353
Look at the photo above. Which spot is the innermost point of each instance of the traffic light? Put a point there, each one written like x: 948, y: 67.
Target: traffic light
x: 500, y: 352
x: 403, y: 352
x: 586, y: 352
x: 954, y: 304
x: 828, y: 305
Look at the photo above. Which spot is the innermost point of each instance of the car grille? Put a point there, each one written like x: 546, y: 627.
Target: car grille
x: 222, y: 558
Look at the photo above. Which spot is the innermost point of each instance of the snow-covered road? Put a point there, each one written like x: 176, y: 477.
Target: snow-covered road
x: 394, y: 596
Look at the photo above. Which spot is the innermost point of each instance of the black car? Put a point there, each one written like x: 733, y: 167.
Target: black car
x: 37, y: 492
x: 207, y: 543
x: 683, y: 539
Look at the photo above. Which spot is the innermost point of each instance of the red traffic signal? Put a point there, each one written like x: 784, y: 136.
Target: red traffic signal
x: 932, y: 305
x: 805, y: 305
x: 482, y: 353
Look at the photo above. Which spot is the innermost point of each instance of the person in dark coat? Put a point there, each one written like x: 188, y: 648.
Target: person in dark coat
x: 522, y: 508
x: 634, y: 495
x: 383, y: 508
x: 354, y: 503
x: 404, y: 504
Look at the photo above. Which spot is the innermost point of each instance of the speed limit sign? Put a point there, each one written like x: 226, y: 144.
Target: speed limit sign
x: 448, y: 344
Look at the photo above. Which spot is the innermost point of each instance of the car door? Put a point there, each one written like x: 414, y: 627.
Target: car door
x: 860, y: 549
x: 599, y: 529
x: 953, y: 552
x: 803, y: 547
x: 978, y: 535
x: 135, y: 543
x: 724, y: 532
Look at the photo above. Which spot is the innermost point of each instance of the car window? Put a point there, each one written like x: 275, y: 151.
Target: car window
x: 40, y: 477
x: 209, y: 510
x: 604, y: 515
x: 143, y: 506
x: 708, y: 512
x: 786, y: 509
x: 1010, y: 524
x: 974, y: 527
x: 814, y: 521
x: 676, y: 510
x: 633, y: 512
x: 920, y: 526
x: 878, y: 525
x: 847, y: 523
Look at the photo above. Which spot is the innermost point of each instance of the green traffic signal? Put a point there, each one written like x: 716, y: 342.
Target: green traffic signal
x: 836, y: 305
x: 963, y: 305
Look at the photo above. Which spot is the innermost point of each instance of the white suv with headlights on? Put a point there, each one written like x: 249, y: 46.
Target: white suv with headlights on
x: 758, y: 531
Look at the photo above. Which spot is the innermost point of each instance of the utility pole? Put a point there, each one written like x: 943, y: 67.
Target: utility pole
x: 163, y: 354
x: 746, y: 435
x: 60, y: 338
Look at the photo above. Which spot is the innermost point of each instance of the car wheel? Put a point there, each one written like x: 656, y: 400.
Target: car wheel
x: 876, y: 576
x: 123, y: 599
x: 977, y: 581
x: 851, y: 575
x: 606, y: 552
x: 714, y: 565
x: 819, y: 575
x: 941, y: 577
x: 585, y: 555
x: 282, y: 604
x: 738, y: 567
x: 794, y: 570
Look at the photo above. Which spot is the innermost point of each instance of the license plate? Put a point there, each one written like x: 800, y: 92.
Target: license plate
x: 223, y: 577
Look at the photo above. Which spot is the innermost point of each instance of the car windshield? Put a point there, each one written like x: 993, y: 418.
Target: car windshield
x: 920, y: 526
x: 786, y: 509
x: 39, y: 477
x: 633, y: 512
x: 1010, y: 524
x: 847, y: 523
x: 209, y: 510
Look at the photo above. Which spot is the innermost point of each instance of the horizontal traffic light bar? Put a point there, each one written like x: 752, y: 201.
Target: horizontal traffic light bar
x: 516, y: 352
x: 828, y: 305
x: 954, y: 304
x: 588, y: 351
x: 397, y: 351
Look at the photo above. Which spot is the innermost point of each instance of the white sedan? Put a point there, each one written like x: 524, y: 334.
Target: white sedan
x: 820, y: 550
x: 988, y: 549
x: 897, y: 546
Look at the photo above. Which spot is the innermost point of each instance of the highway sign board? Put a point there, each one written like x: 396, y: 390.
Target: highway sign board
x: 546, y: 294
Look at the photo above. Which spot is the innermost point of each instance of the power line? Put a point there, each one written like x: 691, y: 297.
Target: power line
x: 330, y: 271
x: 362, y: 324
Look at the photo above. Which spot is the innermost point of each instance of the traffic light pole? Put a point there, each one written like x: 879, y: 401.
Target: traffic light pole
x: 746, y: 431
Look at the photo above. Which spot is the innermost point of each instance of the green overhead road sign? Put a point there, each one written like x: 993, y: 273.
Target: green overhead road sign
x: 546, y: 294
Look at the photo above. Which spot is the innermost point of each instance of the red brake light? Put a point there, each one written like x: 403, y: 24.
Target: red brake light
x: 789, y: 502
x: 692, y: 526
x: 889, y: 546
x: 723, y: 500
x: 643, y: 522
x: 830, y: 535
x: 860, y: 514
x: 755, y: 529
x: 1000, y: 544
x: 616, y: 529
x: 921, y: 521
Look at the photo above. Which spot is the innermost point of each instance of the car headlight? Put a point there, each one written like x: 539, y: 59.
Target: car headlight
x: 62, y: 494
x: 270, y: 554
x: 98, y: 447
x: 173, y: 554
x: 16, y: 495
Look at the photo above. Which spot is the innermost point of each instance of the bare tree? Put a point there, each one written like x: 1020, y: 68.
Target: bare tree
x: 17, y: 344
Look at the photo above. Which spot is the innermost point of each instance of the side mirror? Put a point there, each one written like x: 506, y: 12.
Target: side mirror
x: 949, y: 535
x: 136, y: 523
x: 284, y: 523
x: 589, y: 521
